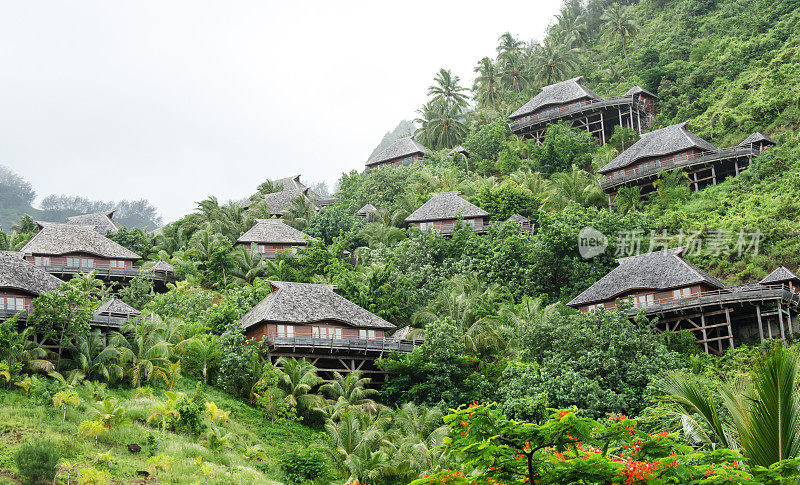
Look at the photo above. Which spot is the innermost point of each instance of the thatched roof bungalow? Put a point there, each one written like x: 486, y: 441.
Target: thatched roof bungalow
x: 21, y: 282
x: 287, y: 190
x: 102, y: 222
x: 273, y: 236
x: 404, y: 151
x: 782, y: 276
x: 443, y: 210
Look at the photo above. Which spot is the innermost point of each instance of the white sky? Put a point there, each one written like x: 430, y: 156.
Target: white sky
x: 176, y: 100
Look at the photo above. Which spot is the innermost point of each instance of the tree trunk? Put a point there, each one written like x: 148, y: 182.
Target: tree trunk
x: 625, y: 51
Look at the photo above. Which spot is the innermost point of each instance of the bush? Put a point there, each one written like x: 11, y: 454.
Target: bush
x: 37, y: 461
x: 303, y: 466
x: 191, y: 410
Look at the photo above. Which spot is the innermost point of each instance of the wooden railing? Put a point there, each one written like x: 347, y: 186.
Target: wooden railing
x: 357, y: 344
x: 110, y: 272
x: 97, y: 320
x: 637, y: 173
x: 549, y: 116
x: 736, y: 294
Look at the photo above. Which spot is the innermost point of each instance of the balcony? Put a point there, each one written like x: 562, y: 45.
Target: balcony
x: 624, y: 102
x: 110, y: 273
x: 652, y: 171
x: 348, y: 345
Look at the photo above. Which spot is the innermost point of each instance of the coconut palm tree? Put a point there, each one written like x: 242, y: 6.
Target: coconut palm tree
x: 142, y: 348
x: 764, y: 408
x: 357, y: 437
x: 441, y: 125
x: 514, y: 73
x: 577, y: 186
x: 297, y: 380
x: 415, y: 441
x: 23, y: 352
x: 508, y: 44
x: 672, y: 187
x: 629, y: 199
x: 618, y: 23
x: 487, y: 82
x: 553, y: 62
x: 378, y: 233
x: 91, y: 357
x: 447, y: 91
x: 279, y: 270
x: 529, y: 312
x: 570, y: 28
x: 349, y: 391
x: 300, y: 212
x: 248, y: 265
x: 203, y: 349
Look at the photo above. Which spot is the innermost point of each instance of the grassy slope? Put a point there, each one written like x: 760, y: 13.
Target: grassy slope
x: 729, y: 67
x: 21, y: 420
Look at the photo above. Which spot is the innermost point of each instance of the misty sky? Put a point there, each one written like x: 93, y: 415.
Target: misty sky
x: 176, y: 100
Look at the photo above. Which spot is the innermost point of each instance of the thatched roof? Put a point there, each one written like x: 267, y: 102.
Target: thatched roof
x: 659, y: 270
x: 19, y: 274
x: 273, y: 231
x: 302, y: 303
x: 672, y: 139
x: 757, y: 137
x: 57, y: 239
x: 558, y: 93
x: 639, y: 90
x: 780, y: 275
x: 445, y: 205
x: 519, y: 219
x: 458, y: 150
x: 162, y: 266
x: 102, y: 222
x: 366, y: 209
x: 401, y: 148
x: 114, y: 307
x: 291, y: 188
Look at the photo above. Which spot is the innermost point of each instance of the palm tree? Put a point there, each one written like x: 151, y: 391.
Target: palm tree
x: 204, y: 349
x: 447, y: 91
x: 533, y: 181
x: 441, y: 125
x: 513, y: 71
x: 143, y: 348
x: 25, y: 224
x: 356, y: 438
x: 629, y: 199
x: 279, y: 270
x: 529, y: 312
x: 487, y: 82
x: 23, y: 353
x: 575, y: 187
x: 377, y: 233
x: 508, y: 44
x: 95, y: 360
x: 349, y: 391
x: 618, y: 22
x: 297, y: 379
x: 248, y: 265
x: 570, y: 28
x: 301, y: 211
x: 553, y: 62
x: 416, y: 441
x: 764, y: 408
x: 672, y: 187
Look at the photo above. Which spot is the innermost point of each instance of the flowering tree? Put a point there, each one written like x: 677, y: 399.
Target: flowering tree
x: 567, y: 448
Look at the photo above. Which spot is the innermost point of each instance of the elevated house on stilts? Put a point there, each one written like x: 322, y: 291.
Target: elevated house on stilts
x: 311, y: 321
x: 272, y: 237
x: 572, y: 102
x: 675, y: 147
x: 404, y: 151
x: 681, y: 296
x: 442, y: 212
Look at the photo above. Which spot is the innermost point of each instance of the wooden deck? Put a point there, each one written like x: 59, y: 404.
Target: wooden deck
x: 116, y: 274
x: 97, y: 321
x: 730, y: 156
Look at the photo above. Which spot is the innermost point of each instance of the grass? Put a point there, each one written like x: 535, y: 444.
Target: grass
x: 24, y: 419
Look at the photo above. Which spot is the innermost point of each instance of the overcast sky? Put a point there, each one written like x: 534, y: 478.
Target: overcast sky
x: 176, y: 100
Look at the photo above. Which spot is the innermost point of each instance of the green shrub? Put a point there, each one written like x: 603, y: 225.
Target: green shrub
x: 303, y: 466
x: 37, y: 461
x: 192, y: 410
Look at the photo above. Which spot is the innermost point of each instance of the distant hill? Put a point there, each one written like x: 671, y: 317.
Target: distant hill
x: 403, y: 129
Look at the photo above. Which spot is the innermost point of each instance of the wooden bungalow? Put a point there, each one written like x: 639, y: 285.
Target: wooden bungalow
x: 112, y: 314
x: 102, y: 222
x: 757, y: 141
x: 287, y: 190
x: 20, y: 283
x: 367, y: 213
x: 404, y: 151
x: 442, y: 212
x: 574, y: 103
x: 671, y: 148
x: 68, y: 249
x: 524, y: 223
x: 311, y: 321
x: 272, y: 237
x: 663, y: 284
x: 782, y: 276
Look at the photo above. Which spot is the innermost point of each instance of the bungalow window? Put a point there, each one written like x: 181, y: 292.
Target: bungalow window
x: 423, y: 226
x: 87, y: 263
x: 42, y: 260
x: 326, y: 332
x: 15, y: 304
x: 681, y: 293
x: 73, y: 262
x: 115, y: 263
x: 285, y: 330
x: 645, y: 300
x: 366, y: 334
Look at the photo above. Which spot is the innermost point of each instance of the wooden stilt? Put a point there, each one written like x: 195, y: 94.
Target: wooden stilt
x: 789, y: 320
x: 730, y: 327
x: 639, y: 120
x: 631, y: 114
x: 705, y: 334
x: 602, y: 128
x: 760, y: 323
x: 714, y: 174
x: 780, y: 320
